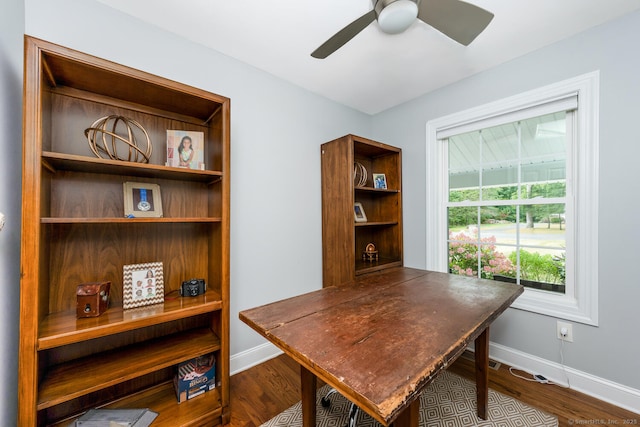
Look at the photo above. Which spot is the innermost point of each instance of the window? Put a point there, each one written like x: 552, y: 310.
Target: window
x: 506, y: 210
x: 512, y: 195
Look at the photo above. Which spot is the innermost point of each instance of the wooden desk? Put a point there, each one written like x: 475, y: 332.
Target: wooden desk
x: 382, y: 339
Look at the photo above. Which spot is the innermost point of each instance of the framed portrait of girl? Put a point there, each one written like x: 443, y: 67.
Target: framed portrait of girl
x: 185, y: 149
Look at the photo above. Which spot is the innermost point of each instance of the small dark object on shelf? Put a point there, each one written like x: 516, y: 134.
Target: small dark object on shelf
x: 193, y: 288
x: 92, y: 299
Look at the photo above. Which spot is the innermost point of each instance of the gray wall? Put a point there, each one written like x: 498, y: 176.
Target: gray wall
x: 11, y: 36
x: 611, y: 350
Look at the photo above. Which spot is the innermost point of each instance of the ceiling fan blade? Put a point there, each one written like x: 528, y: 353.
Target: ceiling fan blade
x: 461, y: 21
x: 344, y: 35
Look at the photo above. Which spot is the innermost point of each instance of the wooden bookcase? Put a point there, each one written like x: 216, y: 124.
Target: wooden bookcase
x: 74, y: 231
x: 343, y: 239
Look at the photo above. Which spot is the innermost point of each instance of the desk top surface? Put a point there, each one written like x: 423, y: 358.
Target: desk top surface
x: 382, y: 339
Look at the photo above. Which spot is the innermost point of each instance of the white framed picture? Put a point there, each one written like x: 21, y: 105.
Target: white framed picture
x: 379, y: 181
x: 185, y: 149
x: 358, y: 211
x: 143, y: 284
x: 142, y: 200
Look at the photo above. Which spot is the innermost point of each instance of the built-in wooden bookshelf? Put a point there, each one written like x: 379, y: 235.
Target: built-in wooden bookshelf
x: 74, y: 231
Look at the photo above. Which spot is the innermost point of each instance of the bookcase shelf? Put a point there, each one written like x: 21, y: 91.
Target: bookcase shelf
x: 62, y: 382
x: 376, y: 223
x: 74, y: 231
x: 375, y: 190
x: 64, y: 328
x: 203, y: 411
x: 364, y: 267
x: 109, y: 220
x: 69, y: 162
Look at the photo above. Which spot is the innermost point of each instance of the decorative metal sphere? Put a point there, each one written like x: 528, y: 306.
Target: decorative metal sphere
x: 359, y: 174
x: 109, y: 130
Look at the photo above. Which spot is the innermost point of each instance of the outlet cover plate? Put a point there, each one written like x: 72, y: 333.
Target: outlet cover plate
x: 569, y: 327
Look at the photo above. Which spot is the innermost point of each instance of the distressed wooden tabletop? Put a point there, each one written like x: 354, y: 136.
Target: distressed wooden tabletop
x: 381, y: 340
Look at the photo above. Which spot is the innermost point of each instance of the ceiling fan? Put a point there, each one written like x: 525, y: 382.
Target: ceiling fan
x: 456, y: 19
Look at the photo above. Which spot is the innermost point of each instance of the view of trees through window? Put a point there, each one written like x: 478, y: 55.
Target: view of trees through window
x: 507, y: 202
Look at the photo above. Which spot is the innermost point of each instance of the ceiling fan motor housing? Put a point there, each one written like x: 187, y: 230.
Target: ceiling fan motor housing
x: 395, y: 16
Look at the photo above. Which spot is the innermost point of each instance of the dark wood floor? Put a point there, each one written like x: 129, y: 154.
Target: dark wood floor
x: 261, y: 392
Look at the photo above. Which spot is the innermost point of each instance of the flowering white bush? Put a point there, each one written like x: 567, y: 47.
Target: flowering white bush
x: 463, y: 257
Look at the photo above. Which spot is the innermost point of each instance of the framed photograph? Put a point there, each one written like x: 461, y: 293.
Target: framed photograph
x: 185, y: 149
x: 358, y: 211
x: 142, y: 200
x: 142, y: 284
x: 379, y: 181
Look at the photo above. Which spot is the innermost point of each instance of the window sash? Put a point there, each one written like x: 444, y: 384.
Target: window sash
x: 522, y: 114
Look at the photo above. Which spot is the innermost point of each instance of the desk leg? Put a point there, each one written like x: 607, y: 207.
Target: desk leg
x: 410, y: 416
x: 308, y: 385
x: 482, y: 373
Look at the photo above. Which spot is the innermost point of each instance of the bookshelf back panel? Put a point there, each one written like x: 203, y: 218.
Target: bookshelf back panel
x: 385, y: 238
x: 88, y: 195
x: 379, y: 207
x: 82, y: 253
x: 71, y: 115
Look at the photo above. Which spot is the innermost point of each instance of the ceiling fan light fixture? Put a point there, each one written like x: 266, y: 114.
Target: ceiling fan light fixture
x: 396, y: 17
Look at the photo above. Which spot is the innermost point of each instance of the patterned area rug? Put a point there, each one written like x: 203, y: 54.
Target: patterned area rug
x: 449, y: 400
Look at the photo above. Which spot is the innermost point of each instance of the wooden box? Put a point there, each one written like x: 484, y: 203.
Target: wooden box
x: 92, y: 299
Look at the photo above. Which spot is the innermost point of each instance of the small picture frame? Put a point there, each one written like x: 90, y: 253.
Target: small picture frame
x: 185, y: 149
x: 143, y: 284
x: 142, y: 200
x: 379, y: 181
x: 358, y: 212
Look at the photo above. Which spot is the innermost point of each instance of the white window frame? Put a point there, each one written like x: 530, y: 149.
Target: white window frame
x: 580, y: 302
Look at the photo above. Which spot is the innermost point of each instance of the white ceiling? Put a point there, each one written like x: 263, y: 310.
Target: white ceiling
x: 374, y: 71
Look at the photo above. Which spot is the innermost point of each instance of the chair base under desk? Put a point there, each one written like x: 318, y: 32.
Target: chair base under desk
x: 353, y: 408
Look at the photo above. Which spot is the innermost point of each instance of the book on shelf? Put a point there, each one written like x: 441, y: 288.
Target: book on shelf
x: 116, y: 418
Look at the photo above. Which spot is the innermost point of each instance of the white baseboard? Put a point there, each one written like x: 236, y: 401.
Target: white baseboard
x: 252, y: 357
x: 600, y: 388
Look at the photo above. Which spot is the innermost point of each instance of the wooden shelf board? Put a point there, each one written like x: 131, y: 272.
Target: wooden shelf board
x: 52, y: 220
x: 80, y: 377
x: 99, y: 76
x: 363, y: 267
x: 364, y: 147
x: 376, y: 223
x: 71, y: 162
x: 58, y: 329
x: 376, y: 190
x: 199, y: 411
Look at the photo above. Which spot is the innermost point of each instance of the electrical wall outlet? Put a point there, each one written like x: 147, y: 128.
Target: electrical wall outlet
x: 564, y: 331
